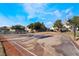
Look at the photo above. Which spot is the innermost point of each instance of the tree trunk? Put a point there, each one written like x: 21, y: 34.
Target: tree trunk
x: 75, y: 32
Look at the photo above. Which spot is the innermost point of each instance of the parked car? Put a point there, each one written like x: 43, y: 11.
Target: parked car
x: 64, y: 30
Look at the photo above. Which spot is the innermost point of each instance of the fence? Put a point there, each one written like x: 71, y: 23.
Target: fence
x: 10, y: 32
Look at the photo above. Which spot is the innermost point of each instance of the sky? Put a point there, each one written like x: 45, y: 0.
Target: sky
x: 47, y: 13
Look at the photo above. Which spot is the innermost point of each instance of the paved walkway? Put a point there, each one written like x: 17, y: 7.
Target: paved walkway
x: 40, y: 45
x: 61, y: 44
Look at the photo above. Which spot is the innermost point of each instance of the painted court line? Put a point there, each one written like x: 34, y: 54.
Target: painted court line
x: 24, y: 48
x: 46, y: 49
x: 17, y: 48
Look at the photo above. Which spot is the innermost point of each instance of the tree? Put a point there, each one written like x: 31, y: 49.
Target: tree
x: 18, y: 28
x: 31, y: 26
x: 37, y: 26
x: 58, y: 24
x: 74, y: 21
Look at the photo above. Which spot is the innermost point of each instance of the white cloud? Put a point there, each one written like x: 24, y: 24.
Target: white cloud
x: 63, y: 14
x: 68, y: 13
x: 57, y: 13
x: 68, y: 10
x: 49, y: 24
x: 34, y: 9
x: 40, y: 10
